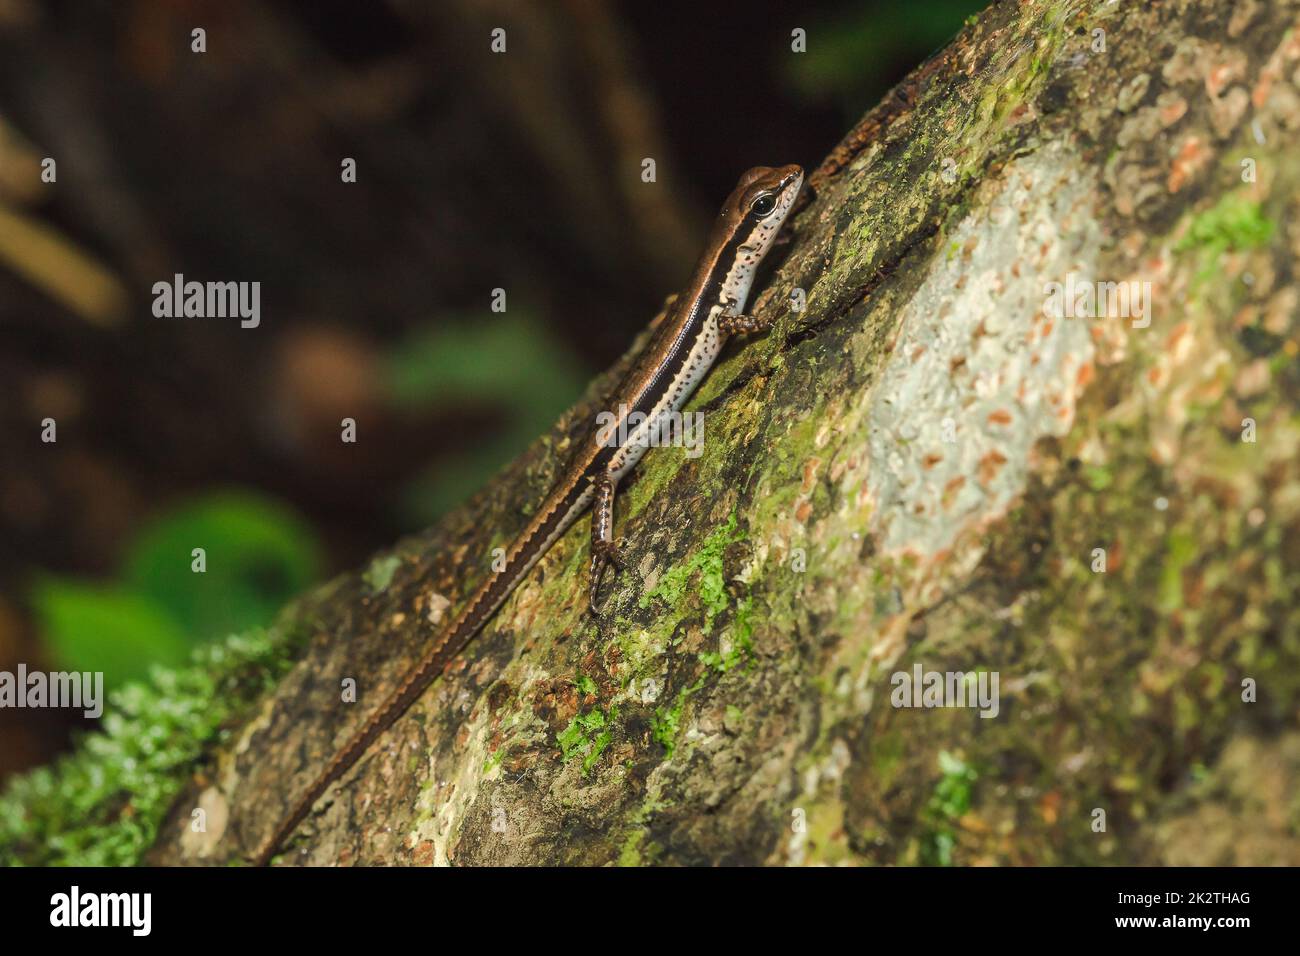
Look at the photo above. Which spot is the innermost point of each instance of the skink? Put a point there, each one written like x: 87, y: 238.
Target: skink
x: 679, y: 354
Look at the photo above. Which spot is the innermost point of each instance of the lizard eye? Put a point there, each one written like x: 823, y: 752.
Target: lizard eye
x: 764, y: 204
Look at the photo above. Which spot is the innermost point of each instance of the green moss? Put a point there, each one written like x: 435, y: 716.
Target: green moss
x: 585, y: 684
x: 102, y: 804
x: 630, y: 854
x: 494, y: 761
x: 636, y: 849
x: 742, y: 643
x: 707, y: 564
x: 587, y: 736
x: 667, y: 721
x: 657, y: 472
x: 1180, y: 550
x: 1098, y: 477
x: 640, y: 649
x: 950, y: 801
x: 1233, y: 223
x: 380, y: 572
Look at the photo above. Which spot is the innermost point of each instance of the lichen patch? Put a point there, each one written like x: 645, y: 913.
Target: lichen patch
x: 980, y: 371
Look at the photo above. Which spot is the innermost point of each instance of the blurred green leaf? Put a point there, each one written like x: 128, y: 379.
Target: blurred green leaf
x: 92, y: 627
x: 258, y: 555
x: 853, y: 53
x: 506, y: 361
x: 507, y: 358
x: 435, y: 492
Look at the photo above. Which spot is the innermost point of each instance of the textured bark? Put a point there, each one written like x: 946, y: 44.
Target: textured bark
x: 915, y: 469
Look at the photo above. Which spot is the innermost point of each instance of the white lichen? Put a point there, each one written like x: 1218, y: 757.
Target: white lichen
x: 979, y: 371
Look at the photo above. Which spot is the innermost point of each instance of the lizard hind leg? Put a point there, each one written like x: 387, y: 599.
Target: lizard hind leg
x: 604, y: 551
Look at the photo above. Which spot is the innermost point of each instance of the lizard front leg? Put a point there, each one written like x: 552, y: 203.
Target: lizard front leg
x: 742, y: 324
x: 604, y: 551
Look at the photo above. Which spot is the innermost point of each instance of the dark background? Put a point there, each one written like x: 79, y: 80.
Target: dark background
x: 475, y: 171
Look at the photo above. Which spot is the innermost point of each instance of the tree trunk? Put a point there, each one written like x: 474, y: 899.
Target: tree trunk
x: 942, y: 462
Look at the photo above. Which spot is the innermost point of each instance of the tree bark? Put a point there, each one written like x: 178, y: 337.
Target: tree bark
x: 920, y: 468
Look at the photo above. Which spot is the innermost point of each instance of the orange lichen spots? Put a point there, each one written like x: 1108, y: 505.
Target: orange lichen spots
x: 954, y: 485
x: 423, y: 854
x: 1170, y: 109
x: 1180, y: 343
x: 810, y: 474
x: 1245, y: 317
x: 990, y: 465
x: 1000, y: 417
x: 1221, y: 74
x: 1085, y: 375
x: 1115, y: 555
x: 1049, y: 807
x: 1273, y: 70
x: 1192, y: 157
x: 930, y: 460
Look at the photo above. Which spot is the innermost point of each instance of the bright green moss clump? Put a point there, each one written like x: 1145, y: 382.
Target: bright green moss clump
x: 102, y: 804
x: 1234, y: 223
x: 587, y: 736
x: 707, y: 561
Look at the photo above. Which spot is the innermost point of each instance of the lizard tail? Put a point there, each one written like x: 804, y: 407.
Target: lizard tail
x: 413, y: 684
x: 551, y: 520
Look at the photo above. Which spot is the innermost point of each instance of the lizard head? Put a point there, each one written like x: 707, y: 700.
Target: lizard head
x: 745, y: 230
x: 757, y: 207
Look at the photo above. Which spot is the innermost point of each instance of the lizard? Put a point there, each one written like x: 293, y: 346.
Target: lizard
x: 676, y: 357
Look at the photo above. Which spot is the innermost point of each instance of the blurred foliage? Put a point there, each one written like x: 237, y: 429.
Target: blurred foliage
x: 258, y: 554
x: 950, y: 801
x: 854, y: 54
x: 509, y: 364
x: 94, y: 627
